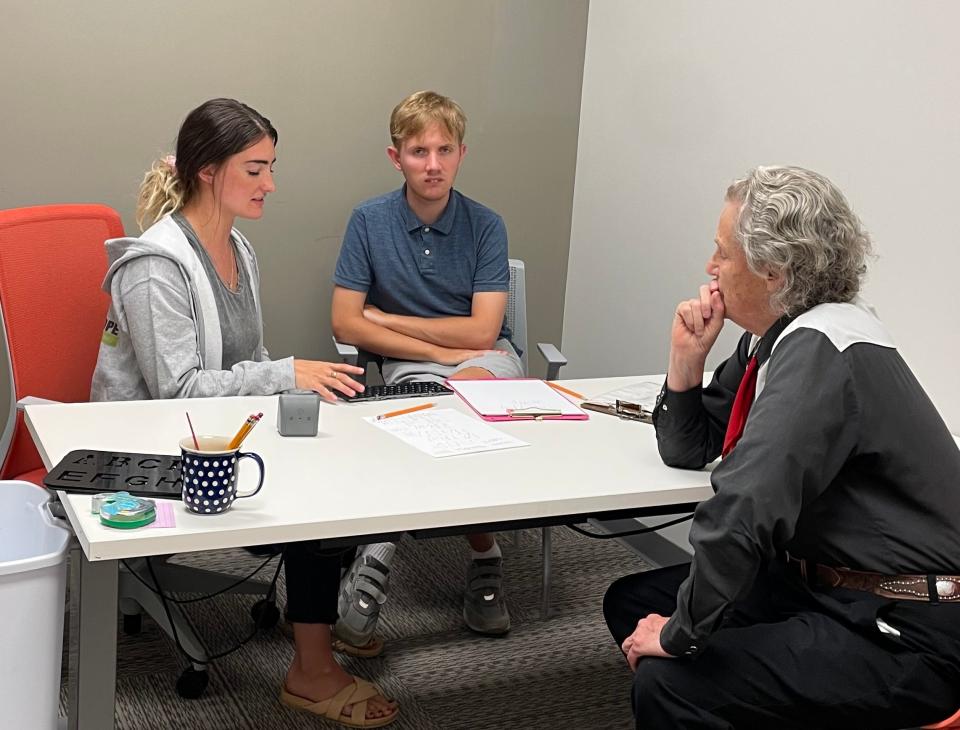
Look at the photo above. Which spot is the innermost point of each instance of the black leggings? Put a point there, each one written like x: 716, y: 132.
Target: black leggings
x: 313, y: 580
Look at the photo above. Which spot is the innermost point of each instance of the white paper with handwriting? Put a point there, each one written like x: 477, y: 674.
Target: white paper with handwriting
x: 445, y: 432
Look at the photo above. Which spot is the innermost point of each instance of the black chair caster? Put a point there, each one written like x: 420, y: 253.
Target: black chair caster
x: 192, y: 683
x: 132, y: 623
x: 265, y: 614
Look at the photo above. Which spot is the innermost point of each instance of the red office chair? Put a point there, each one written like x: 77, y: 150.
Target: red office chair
x: 52, y: 264
x: 951, y: 722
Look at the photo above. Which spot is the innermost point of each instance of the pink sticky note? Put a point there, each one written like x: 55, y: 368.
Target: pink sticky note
x: 165, y: 514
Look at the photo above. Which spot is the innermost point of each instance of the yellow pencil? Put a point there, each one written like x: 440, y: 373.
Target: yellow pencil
x: 404, y: 411
x: 553, y: 385
x: 244, y: 430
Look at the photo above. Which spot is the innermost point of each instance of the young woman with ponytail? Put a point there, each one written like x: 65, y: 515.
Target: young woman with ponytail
x: 185, y: 322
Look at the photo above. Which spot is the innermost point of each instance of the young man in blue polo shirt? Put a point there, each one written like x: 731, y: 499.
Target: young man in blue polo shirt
x: 422, y: 279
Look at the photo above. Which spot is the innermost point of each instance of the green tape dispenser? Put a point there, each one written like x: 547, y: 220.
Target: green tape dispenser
x: 123, y: 511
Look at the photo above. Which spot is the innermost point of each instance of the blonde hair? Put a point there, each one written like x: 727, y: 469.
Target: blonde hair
x: 160, y: 193
x: 415, y: 113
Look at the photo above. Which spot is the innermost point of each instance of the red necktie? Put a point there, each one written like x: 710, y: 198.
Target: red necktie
x: 741, y: 406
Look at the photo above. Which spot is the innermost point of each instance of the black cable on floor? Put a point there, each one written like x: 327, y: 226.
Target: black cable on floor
x: 204, y: 597
x: 271, y: 592
x: 640, y: 531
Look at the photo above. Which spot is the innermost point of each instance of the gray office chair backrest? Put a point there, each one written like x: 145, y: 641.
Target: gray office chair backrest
x: 516, y: 314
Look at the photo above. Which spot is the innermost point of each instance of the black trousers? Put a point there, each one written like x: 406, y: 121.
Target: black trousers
x: 313, y: 580
x: 791, y: 657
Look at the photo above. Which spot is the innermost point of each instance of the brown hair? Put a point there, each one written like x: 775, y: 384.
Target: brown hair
x: 210, y: 134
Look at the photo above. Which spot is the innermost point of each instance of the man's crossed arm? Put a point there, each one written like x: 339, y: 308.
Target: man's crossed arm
x: 444, y: 340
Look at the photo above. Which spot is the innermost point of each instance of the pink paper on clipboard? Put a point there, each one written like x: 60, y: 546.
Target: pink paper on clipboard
x: 516, y: 399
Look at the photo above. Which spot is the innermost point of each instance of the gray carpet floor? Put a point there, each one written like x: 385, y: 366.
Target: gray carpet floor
x: 564, y: 672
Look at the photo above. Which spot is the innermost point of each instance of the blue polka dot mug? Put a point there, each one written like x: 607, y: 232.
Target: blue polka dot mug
x: 210, y: 474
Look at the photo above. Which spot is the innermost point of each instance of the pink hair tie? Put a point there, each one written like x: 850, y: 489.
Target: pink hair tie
x: 171, y: 162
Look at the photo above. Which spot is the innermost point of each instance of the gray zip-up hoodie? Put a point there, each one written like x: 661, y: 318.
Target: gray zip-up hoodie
x: 162, y: 337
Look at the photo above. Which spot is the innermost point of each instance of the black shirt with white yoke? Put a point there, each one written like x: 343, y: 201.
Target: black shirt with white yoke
x: 844, y: 461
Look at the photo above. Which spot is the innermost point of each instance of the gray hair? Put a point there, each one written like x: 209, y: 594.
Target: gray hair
x: 798, y: 223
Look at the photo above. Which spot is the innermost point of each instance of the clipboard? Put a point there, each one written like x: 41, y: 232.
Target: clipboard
x: 516, y: 399
x: 621, y: 409
x: 634, y: 402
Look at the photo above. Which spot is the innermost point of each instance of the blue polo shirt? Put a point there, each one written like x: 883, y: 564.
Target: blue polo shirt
x: 409, y: 268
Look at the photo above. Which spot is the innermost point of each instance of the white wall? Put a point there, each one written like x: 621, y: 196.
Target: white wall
x: 681, y: 97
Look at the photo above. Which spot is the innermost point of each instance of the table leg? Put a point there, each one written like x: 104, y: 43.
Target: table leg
x: 547, y: 540
x: 92, y: 677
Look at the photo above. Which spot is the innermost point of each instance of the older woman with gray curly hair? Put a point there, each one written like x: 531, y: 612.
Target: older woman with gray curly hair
x: 824, y: 589
x: 796, y: 222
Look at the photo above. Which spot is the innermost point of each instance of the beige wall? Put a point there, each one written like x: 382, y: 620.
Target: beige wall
x: 93, y: 92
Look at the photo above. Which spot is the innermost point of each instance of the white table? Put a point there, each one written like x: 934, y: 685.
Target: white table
x: 350, y: 481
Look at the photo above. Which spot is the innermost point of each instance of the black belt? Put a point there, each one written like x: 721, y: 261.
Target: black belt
x: 930, y: 588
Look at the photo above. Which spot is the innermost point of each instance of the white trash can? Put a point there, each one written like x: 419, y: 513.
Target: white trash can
x: 33, y: 580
